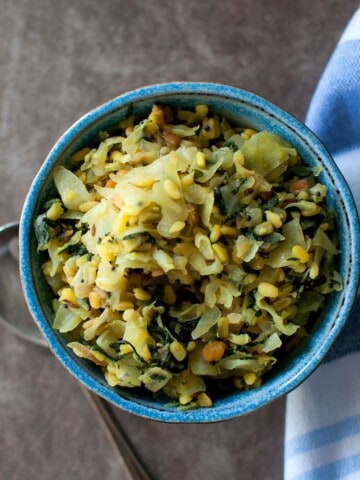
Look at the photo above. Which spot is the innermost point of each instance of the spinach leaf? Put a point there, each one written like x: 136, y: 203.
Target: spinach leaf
x: 232, y: 145
x: 76, y: 250
x: 43, y: 231
x: 147, y: 237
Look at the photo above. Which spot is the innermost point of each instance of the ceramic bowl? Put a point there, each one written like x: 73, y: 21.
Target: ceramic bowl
x: 245, y: 108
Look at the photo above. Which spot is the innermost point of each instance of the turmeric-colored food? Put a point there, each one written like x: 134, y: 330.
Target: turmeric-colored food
x: 183, y: 250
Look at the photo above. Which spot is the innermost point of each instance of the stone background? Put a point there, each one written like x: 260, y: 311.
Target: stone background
x: 58, y: 59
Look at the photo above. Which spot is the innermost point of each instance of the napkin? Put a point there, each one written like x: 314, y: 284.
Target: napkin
x: 322, y: 423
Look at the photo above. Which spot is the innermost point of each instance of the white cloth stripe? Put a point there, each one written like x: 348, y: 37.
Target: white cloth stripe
x: 352, y: 31
x: 323, y: 436
x: 352, y: 476
x: 340, y: 469
x: 349, y: 165
x: 322, y: 456
x: 320, y: 400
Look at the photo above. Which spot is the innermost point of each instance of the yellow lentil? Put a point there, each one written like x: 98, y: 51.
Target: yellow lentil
x: 141, y: 294
x: 144, y: 182
x: 226, y: 230
x: 223, y: 327
x: 300, y: 253
x: 187, y: 180
x: 95, y: 300
x: 116, y: 156
x: 215, y: 233
x: 177, y: 350
x: 204, y: 400
x: 176, y: 227
x: 200, y: 159
x: 249, y: 378
x: 314, y: 270
x: 268, y: 290
x: 171, y: 189
x: 169, y: 295
x: 274, y: 219
x: 55, y: 211
x: 220, y: 252
x: 264, y: 228
x: 80, y: 155
x: 122, y: 306
x: 191, y: 346
x: 68, y: 295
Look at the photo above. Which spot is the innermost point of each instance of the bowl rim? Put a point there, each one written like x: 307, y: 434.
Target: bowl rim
x: 200, y: 415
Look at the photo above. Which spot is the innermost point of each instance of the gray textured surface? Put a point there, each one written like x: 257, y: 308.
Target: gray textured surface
x: 58, y: 60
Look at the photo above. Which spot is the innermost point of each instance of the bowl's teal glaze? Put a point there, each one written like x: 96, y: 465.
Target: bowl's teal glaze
x: 243, y: 108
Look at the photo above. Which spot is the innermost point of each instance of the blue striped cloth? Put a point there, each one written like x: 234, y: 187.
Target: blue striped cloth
x: 322, y: 426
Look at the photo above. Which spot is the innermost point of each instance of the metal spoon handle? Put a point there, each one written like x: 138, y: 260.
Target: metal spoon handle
x: 117, y: 437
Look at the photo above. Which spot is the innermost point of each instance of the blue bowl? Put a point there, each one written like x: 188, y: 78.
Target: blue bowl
x: 242, y: 107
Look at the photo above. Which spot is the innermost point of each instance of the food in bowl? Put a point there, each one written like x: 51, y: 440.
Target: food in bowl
x: 187, y: 253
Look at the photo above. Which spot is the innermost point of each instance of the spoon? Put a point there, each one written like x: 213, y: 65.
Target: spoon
x: 15, y: 316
